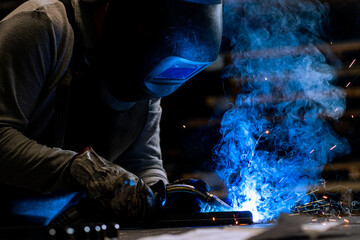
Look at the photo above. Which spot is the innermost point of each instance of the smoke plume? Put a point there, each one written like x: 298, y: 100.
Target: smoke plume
x: 276, y: 138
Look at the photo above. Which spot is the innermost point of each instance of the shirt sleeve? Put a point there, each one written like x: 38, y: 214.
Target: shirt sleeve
x: 144, y: 158
x: 35, y: 51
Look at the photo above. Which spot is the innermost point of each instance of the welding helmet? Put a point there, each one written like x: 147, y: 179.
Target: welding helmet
x: 150, y: 48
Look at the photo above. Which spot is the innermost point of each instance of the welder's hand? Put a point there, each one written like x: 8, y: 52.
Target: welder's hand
x: 116, y: 189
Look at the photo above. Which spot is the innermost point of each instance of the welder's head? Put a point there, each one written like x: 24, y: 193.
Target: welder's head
x: 150, y: 48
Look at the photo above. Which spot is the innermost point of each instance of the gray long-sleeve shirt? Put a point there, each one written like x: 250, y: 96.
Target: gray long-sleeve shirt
x: 36, y: 47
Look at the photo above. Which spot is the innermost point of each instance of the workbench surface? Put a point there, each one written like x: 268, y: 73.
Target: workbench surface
x: 293, y: 229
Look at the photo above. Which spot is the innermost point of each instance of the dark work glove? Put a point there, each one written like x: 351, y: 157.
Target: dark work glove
x: 117, y: 190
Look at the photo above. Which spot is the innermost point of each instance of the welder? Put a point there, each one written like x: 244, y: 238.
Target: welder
x: 80, y: 89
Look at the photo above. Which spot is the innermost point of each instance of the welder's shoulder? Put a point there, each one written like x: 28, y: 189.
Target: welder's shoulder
x: 38, y: 16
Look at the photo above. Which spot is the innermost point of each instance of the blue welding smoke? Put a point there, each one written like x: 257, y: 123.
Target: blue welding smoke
x: 276, y: 138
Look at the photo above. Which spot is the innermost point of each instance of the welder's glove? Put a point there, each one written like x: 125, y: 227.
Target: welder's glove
x: 184, y: 201
x: 116, y: 189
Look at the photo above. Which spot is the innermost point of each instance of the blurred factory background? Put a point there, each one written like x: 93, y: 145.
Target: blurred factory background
x: 192, y: 115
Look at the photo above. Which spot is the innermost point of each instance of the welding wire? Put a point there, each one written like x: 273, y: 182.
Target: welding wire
x: 311, y: 210
x: 316, y: 209
x: 310, y: 203
x: 307, y: 194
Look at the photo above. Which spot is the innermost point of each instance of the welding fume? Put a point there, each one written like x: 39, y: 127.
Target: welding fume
x: 278, y: 135
x: 81, y: 83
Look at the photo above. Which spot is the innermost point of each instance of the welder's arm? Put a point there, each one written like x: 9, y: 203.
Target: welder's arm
x: 34, y: 56
x: 25, y: 163
x: 144, y: 157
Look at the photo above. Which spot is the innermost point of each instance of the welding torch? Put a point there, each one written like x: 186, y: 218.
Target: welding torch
x: 213, y: 202
x: 189, y: 195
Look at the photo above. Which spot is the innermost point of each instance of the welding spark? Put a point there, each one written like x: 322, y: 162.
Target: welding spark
x: 333, y: 147
x: 312, y: 151
x: 347, y: 85
x: 256, y: 144
x: 352, y: 63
